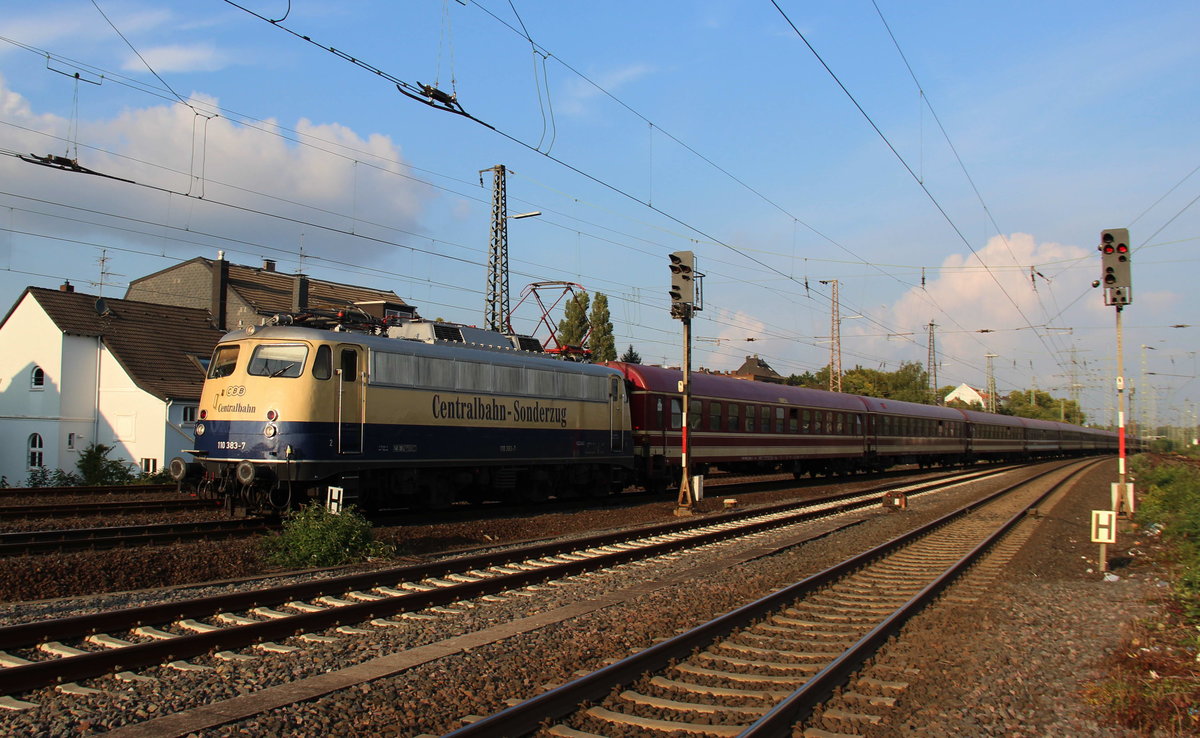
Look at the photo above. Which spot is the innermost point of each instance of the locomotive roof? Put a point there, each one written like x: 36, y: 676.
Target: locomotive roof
x: 659, y: 379
x: 441, y: 349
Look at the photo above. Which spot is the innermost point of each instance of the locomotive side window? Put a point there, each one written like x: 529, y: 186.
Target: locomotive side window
x: 323, y: 364
x: 224, y: 361
x: 277, y: 360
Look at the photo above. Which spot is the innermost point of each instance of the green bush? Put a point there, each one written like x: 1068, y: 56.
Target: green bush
x: 313, y: 536
x: 1170, y: 500
x: 97, y: 469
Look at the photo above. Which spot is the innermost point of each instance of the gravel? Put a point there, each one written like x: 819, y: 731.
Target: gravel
x: 1013, y: 665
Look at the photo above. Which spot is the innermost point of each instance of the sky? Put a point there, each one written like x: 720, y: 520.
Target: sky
x: 944, y: 162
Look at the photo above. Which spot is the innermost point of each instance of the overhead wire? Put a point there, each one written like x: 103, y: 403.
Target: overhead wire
x: 917, y: 179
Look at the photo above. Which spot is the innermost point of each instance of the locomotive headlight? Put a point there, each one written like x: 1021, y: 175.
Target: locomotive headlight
x: 199, y: 429
x: 270, y: 430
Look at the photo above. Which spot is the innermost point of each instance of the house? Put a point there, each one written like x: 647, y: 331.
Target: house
x: 757, y: 370
x: 969, y: 395
x: 239, y: 296
x: 80, y: 369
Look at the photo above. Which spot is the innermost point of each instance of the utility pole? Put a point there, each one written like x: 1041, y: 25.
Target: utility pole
x: 991, y: 383
x: 496, y: 302
x: 931, y: 365
x: 835, y: 334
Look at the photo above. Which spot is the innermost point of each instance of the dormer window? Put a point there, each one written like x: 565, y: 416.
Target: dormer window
x: 37, y: 378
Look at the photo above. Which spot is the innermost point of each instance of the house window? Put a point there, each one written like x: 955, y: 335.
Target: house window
x: 189, y: 413
x: 71, y: 441
x: 35, y: 451
x: 149, y: 466
x: 37, y: 378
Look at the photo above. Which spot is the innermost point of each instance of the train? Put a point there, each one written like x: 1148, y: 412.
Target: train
x: 401, y: 412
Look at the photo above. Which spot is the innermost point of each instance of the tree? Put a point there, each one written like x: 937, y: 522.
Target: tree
x: 630, y: 356
x: 602, y: 342
x: 573, y: 327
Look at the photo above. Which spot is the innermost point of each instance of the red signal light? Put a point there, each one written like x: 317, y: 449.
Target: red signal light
x: 1108, y: 248
x: 1122, y: 248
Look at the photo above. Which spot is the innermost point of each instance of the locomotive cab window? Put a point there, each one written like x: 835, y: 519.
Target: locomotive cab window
x: 323, y: 364
x: 278, y: 360
x: 224, y: 361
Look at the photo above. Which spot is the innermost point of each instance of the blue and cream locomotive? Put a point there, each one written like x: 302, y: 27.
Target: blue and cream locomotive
x: 412, y: 413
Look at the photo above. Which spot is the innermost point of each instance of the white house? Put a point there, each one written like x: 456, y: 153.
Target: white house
x: 968, y: 394
x: 76, y: 369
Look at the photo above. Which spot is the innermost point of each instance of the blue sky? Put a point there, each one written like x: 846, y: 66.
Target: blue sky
x: 641, y: 129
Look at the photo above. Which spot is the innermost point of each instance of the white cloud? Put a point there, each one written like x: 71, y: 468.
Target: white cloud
x: 580, y: 92
x: 201, y: 57
x: 343, y: 181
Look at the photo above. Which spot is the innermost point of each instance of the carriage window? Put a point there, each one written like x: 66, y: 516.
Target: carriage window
x: 750, y: 418
x: 793, y: 420
x: 676, y: 414
x: 779, y: 420
x: 224, y: 361
x: 278, y: 360
x: 714, y: 416
x: 807, y: 424
x: 816, y: 422
x: 323, y: 364
x: 733, y: 416
x: 841, y: 424
x: 765, y: 424
x: 695, y: 412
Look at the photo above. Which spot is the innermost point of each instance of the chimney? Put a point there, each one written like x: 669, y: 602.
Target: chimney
x: 220, y: 288
x: 268, y: 265
x: 300, y: 293
x: 66, y: 286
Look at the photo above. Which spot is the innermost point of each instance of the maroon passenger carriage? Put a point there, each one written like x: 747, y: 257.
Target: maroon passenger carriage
x: 747, y: 427
x: 744, y: 426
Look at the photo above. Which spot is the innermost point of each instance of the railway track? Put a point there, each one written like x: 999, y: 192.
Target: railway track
x: 68, y: 649
x: 20, y: 493
x: 95, y: 509
x: 767, y: 667
x: 82, y: 539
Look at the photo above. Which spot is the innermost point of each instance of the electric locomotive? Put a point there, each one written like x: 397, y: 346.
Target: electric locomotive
x: 403, y: 413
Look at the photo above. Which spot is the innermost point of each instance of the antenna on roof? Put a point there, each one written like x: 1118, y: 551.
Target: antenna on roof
x: 102, y: 308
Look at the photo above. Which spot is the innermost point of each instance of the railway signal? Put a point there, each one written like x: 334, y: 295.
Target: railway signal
x: 1115, y: 266
x: 683, y: 284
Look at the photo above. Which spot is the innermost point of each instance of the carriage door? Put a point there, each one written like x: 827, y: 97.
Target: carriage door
x: 616, y: 414
x: 351, y: 409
